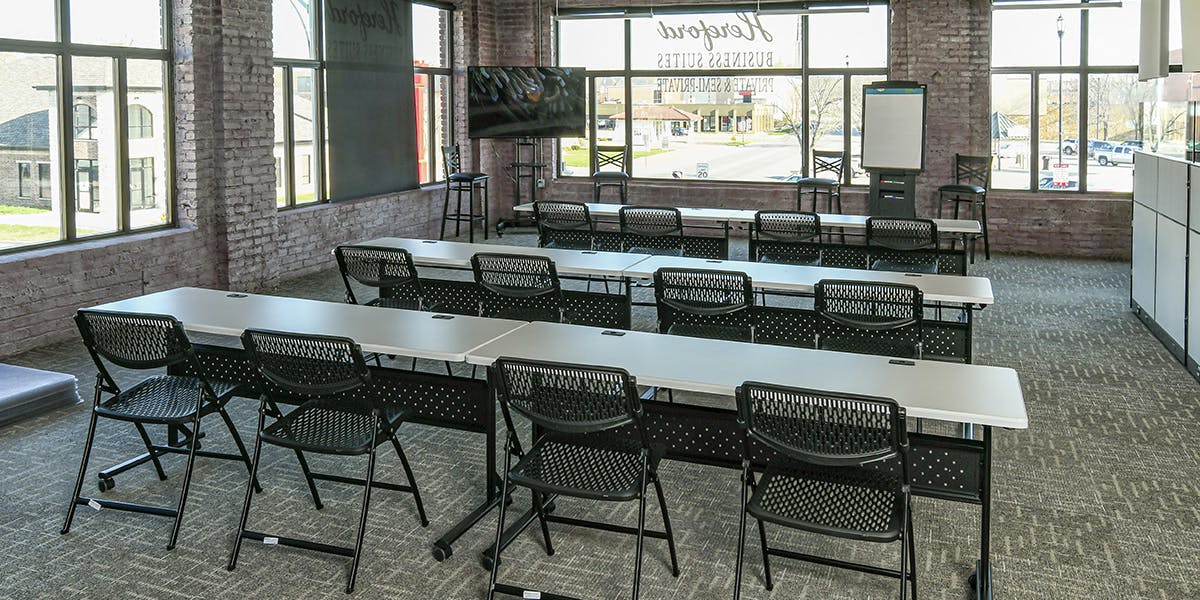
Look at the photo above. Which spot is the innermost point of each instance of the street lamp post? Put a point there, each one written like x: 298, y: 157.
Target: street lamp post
x: 1061, y: 29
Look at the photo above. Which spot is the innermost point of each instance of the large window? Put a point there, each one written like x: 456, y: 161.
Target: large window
x: 299, y: 111
x: 92, y: 74
x: 1067, y: 109
x: 735, y: 96
x: 432, y: 62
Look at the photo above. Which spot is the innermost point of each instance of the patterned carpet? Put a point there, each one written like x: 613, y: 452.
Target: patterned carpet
x: 1100, y: 498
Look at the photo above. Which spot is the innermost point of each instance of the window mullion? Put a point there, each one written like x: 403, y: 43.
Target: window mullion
x: 121, y: 127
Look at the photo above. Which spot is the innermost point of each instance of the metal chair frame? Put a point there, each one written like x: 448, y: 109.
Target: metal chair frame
x: 325, y: 370
x: 147, y: 341
x: 574, y: 406
x: 831, y: 438
x: 459, y: 182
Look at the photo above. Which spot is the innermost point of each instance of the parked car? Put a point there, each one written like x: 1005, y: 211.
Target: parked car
x: 1014, y: 149
x: 1116, y: 155
x: 1096, y: 147
x: 1135, y: 144
x: 1070, y: 146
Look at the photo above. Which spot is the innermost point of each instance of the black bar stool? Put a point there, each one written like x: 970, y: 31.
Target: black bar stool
x: 610, y: 156
x: 819, y: 189
x: 972, y: 177
x: 459, y: 182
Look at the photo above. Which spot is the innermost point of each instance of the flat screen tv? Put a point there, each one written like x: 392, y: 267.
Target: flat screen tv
x: 519, y: 102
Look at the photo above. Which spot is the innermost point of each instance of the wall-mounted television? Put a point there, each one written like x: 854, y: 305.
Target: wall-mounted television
x: 520, y: 102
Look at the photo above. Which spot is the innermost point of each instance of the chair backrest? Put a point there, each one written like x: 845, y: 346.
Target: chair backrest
x: 785, y: 236
x: 567, y: 398
x: 306, y: 364
x: 704, y: 297
x: 564, y: 224
x: 901, y: 233
x: 824, y: 428
x: 133, y: 340
x: 518, y: 286
x: 869, y: 317
x: 645, y: 224
x: 389, y: 270
x: 973, y: 170
x: 451, y: 159
x: 610, y: 156
x: 829, y: 161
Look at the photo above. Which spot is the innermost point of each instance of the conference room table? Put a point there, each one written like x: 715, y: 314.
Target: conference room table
x: 727, y: 216
x: 946, y: 468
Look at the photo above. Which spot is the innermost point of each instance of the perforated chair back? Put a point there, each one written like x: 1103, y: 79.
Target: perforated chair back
x: 518, y: 286
x: 133, y: 340
x: 705, y: 303
x: 785, y: 236
x: 973, y: 170
x: 829, y: 162
x: 306, y: 364
x: 902, y: 244
x: 390, y: 271
x: 564, y: 225
x: 869, y: 317
x: 651, y: 230
x: 823, y: 428
x: 612, y: 157
x: 567, y: 398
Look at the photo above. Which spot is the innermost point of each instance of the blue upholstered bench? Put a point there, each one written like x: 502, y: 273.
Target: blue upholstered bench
x: 25, y: 392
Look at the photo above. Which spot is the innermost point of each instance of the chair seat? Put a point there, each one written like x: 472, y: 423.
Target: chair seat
x: 731, y: 333
x: 405, y: 303
x: 872, y: 345
x: 821, y: 181
x: 459, y: 177
x: 853, y: 503
x: 904, y: 267
x: 807, y: 261
x: 599, y: 466
x: 564, y: 244
x: 655, y: 251
x: 962, y: 188
x: 610, y: 175
x: 330, y: 426
x: 162, y: 399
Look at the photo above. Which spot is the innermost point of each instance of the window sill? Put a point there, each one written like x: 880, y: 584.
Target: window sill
x: 18, y: 254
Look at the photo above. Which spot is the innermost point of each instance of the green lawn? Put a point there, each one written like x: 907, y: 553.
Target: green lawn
x: 579, y: 158
x: 16, y: 235
x: 21, y: 210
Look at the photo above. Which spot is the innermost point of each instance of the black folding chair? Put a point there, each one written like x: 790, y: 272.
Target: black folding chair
x: 705, y: 303
x: 651, y: 230
x: 902, y: 244
x: 785, y: 236
x: 576, y: 452
x: 518, y: 286
x: 839, y: 467
x: 146, y: 341
x: 869, y: 317
x: 390, y: 275
x: 326, y: 372
x: 564, y: 225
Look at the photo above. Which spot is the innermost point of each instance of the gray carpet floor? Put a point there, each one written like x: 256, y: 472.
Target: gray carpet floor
x: 1099, y: 498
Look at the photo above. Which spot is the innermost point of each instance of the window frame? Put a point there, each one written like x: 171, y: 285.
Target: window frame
x: 804, y: 72
x: 145, y: 124
x: 64, y: 50
x: 435, y: 150
x: 1084, y: 71
x: 25, y: 178
x: 288, y: 66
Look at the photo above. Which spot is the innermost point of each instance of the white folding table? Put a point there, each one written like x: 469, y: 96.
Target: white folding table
x: 943, y: 467
x: 457, y: 255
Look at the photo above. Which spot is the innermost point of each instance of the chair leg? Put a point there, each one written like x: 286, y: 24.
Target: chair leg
x: 312, y: 484
x: 448, y: 370
x: 662, y: 505
x: 141, y: 429
x: 762, y: 539
x: 445, y: 212
x: 741, y: 548
x: 237, y: 439
x: 491, y: 593
x: 486, y: 220
x: 458, y: 211
x: 641, y: 531
x: 187, y: 481
x: 412, y: 481
x: 87, y: 451
x: 237, y: 540
x: 414, y: 364
x: 912, y: 552
x: 362, y: 518
x: 987, y: 247
x: 904, y: 557
x: 541, y: 515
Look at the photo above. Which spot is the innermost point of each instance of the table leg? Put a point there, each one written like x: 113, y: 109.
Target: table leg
x: 442, y: 547
x: 981, y: 579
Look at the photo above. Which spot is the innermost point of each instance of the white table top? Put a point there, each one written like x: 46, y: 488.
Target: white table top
x: 738, y: 215
x: 956, y: 289
x: 385, y: 330
x: 434, y: 253
x: 927, y: 389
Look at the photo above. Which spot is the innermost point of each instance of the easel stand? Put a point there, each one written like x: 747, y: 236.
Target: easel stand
x: 893, y: 194
x: 530, y: 169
